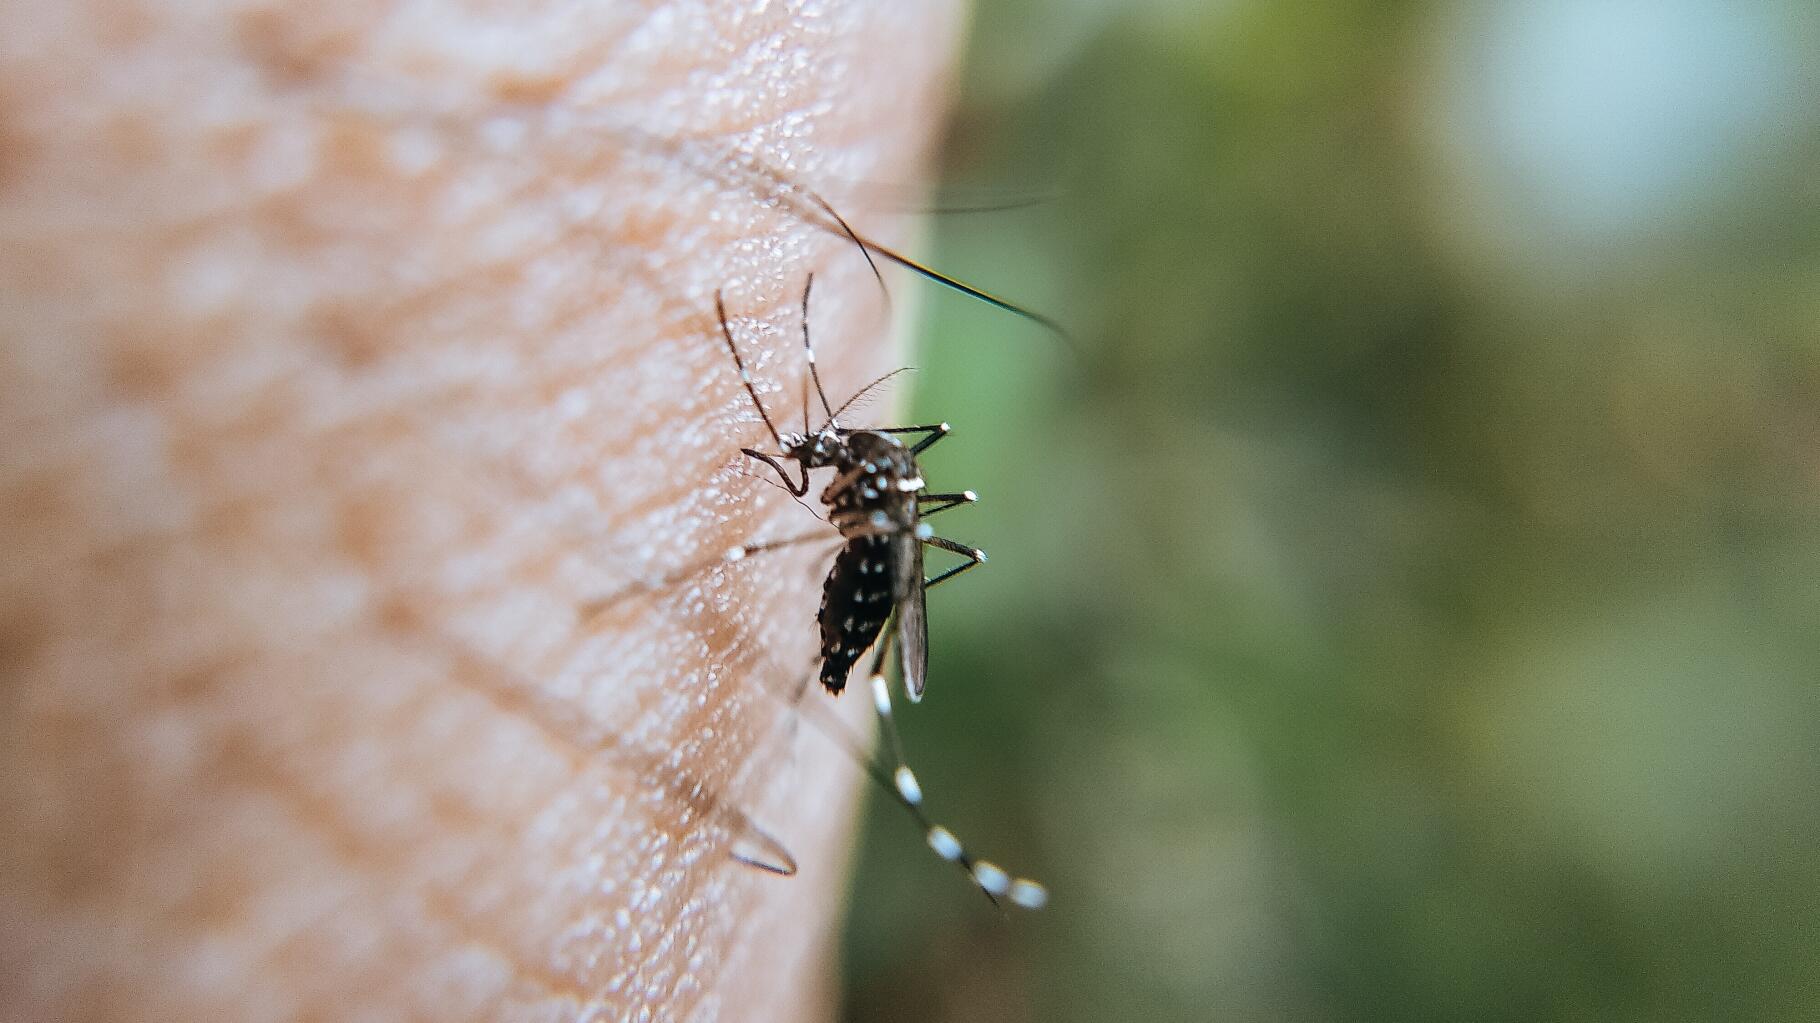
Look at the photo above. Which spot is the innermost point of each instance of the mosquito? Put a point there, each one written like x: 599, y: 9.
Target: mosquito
x: 874, y: 596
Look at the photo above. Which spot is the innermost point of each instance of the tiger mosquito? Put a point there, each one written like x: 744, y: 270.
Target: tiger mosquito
x: 874, y: 596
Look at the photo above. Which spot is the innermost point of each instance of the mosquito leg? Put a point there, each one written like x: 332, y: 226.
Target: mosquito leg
x: 756, y: 847
x: 887, y: 727
x: 477, y: 672
x: 744, y: 551
x: 974, y: 556
x: 944, y: 502
x: 929, y: 584
x: 991, y: 878
x: 935, y: 431
x: 865, y: 248
x: 595, y: 608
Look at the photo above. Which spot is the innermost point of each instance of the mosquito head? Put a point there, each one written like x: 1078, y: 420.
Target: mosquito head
x: 817, y: 449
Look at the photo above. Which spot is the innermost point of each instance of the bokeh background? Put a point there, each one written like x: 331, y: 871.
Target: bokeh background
x: 1404, y: 607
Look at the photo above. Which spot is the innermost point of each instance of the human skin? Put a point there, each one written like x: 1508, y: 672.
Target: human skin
x: 336, y: 377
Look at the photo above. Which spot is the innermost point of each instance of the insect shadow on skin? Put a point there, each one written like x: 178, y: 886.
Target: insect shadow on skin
x: 874, y: 596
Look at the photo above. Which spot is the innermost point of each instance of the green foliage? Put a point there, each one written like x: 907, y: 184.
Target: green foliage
x: 1404, y: 609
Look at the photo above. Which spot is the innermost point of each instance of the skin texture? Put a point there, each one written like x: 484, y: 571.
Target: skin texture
x: 347, y: 352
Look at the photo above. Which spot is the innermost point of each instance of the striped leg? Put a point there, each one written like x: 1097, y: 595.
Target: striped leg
x: 592, y: 609
x: 904, y: 789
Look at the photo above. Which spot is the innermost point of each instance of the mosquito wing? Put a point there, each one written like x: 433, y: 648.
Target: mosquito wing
x: 912, y: 614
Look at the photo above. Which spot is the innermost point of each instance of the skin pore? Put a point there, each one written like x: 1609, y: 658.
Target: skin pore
x: 341, y: 366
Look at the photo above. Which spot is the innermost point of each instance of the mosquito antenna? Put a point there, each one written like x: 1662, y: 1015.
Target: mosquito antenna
x: 814, y: 374
x: 745, y: 378
x: 862, y: 392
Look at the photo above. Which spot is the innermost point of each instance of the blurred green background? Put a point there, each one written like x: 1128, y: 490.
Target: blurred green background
x: 1405, y: 606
